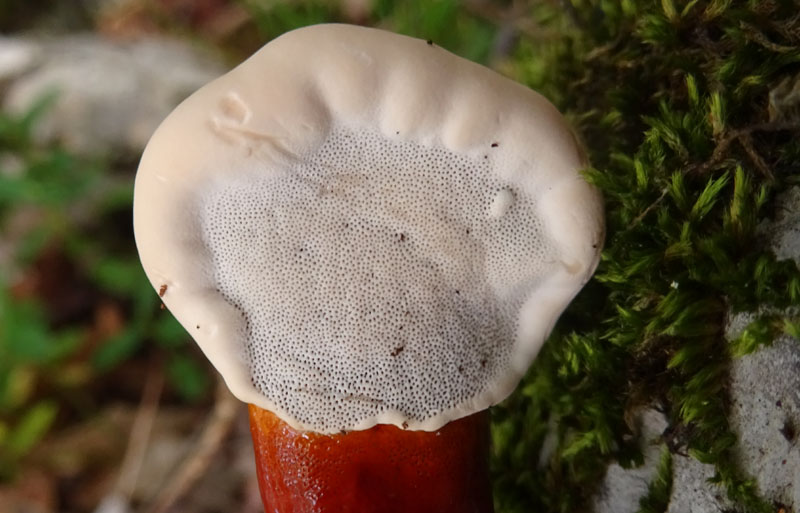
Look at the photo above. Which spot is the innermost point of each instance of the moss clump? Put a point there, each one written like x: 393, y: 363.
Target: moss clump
x: 688, y: 113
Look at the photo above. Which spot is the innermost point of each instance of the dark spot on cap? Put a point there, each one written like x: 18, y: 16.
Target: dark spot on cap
x: 402, y: 237
x: 495, y: 145
x: 430, y: 42
x: 398, y: 350
x: 162, y: 290
x: 405, y: 425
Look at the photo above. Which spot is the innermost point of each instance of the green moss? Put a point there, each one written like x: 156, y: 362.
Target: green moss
x: 660, y: 488
x: 680, y: 106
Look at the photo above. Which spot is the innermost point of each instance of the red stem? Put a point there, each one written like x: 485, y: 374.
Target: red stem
x: 380, y: 470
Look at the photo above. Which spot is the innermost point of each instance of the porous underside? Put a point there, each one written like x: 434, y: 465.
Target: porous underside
x: 379, y: 279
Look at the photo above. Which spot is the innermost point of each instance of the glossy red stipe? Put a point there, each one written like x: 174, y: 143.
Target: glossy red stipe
x: 380, y: 470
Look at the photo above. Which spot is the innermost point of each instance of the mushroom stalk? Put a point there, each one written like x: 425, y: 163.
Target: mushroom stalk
x: 384, y: 469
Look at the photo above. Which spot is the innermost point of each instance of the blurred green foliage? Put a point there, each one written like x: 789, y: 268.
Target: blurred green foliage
x: 80, y: 211
x: 445, y: 22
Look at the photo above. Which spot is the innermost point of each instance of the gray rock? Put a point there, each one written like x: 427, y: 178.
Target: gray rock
x: 765, y: 415
x: 622, y: 488
x: 16, y: 57
x: 108, y: 97
x: 783, y: 232
x: 691, y: 491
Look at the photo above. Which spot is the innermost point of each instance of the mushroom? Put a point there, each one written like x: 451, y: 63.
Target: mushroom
x: 370, y: 238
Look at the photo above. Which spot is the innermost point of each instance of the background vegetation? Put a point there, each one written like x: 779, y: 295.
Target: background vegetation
x: 690, y: 112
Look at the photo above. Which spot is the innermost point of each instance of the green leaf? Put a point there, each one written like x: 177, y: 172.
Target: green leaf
x: 691, y: 90
x: 31, y: 428
x: 759, y: 332
x: 669, y: 10
x: 717, y: 113
x: 124, y: 277
x: 705, y: 202
x: 792, y: 328
x: 168, y: 332
x: 117, y: 349
x: 189, y: 379
x: 26, y: 336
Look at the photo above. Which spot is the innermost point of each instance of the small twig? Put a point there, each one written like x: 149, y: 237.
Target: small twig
x: 118, y: 499
x: 758, y: 37
x: 199, y: 458
x: 725, y: 142
x: 650, y: 207
x: 746, y: 141
x: 140, y: 432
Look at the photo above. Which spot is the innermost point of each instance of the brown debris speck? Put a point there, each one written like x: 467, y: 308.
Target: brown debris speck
x: 162, y: 290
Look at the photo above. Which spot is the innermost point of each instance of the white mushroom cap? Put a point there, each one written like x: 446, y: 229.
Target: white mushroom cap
x: 359, y: 227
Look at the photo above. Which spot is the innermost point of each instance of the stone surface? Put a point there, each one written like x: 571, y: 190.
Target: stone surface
x: 108, y: 97
x: 622, y: 488
x: 765, y: 415
x: 783, y: 232
x: 691, y: 491
x: 16, y: 57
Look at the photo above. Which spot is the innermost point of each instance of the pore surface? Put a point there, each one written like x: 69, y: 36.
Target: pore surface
x: 380, y: 279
